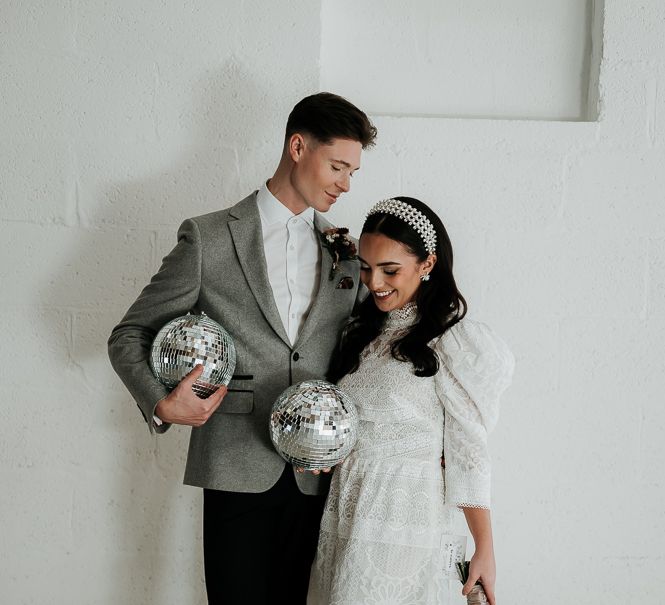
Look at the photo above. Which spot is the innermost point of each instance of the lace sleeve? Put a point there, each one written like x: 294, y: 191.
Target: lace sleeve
x: 476, y: 367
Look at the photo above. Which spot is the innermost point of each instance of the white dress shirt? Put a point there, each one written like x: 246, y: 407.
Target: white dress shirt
x: 292, y: 252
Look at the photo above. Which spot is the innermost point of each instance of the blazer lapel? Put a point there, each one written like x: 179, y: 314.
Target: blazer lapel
x: 248, y: 241
x: 326, y: 286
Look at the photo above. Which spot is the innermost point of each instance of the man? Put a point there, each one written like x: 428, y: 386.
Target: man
x: 262, y: 270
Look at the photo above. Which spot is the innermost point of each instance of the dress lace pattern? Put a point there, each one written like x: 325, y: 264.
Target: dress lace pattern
x: 390, y: 501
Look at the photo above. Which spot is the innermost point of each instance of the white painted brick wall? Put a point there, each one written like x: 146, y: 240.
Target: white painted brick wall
x: 118, y: 120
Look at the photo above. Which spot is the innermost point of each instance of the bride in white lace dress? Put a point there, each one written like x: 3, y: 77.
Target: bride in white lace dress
x: 426, y: 382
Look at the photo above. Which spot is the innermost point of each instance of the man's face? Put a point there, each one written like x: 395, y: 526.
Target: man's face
x: 323, y: 172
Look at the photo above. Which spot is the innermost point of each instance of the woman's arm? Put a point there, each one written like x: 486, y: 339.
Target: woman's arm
x: 483, y: 566
x: 476, y: 367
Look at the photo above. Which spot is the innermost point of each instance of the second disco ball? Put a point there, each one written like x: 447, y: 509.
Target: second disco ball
x: 314, y: 424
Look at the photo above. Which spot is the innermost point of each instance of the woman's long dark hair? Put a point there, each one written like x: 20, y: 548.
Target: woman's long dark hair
x: 440, y: 303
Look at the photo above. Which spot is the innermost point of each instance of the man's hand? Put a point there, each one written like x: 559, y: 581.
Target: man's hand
x: 183, y: 406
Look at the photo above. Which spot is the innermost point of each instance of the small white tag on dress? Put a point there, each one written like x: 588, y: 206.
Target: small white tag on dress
x: 454, y: 551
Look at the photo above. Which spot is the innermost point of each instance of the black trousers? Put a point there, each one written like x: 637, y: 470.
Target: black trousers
x: 258, y: 548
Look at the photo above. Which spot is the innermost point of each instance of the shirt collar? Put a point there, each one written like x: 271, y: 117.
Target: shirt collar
x: 273, y: 211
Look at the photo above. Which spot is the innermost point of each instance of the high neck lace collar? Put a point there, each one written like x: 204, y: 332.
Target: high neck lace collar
x: 403, y: 317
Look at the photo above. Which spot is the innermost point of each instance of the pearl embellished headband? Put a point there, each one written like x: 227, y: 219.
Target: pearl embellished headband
x: 411, y: 216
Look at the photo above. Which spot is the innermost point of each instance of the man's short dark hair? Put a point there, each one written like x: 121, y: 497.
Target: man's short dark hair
x: 326, y: 116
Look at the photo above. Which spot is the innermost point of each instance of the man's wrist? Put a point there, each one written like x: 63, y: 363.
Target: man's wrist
x: 156, y: 418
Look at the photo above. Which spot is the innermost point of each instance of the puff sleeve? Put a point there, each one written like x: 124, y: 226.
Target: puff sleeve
x: 476, y: 366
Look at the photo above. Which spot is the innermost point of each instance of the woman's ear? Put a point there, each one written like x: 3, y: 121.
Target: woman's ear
x: 429, y: 262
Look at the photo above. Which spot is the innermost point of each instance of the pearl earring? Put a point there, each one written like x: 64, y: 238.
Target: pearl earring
x: 424, y: 277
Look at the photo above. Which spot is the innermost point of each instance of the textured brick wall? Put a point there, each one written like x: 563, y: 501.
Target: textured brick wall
x: 119, y: 120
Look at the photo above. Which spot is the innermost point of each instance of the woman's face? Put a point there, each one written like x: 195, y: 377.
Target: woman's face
x: 390, y: 271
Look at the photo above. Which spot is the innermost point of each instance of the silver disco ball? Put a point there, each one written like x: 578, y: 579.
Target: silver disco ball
x: 192, y: 340
x: 313, y: 424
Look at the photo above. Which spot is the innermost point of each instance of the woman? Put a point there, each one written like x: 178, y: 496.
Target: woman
x: 425, y: 381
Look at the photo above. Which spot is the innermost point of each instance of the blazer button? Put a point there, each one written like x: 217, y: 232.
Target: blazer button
x: 296, y: 356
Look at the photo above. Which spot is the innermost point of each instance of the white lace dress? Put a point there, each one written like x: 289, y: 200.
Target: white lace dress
x: 390, y: 501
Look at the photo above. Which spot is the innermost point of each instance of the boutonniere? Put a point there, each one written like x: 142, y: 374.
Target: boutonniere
x: 340, y: 246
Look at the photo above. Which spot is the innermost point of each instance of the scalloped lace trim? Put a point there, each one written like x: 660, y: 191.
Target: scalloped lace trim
x: 468, y: 505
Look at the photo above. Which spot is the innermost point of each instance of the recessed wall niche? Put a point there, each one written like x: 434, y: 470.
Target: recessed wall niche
x: 506, y: 59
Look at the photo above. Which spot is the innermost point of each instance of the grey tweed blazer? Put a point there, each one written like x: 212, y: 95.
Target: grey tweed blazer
x: 218, y: 266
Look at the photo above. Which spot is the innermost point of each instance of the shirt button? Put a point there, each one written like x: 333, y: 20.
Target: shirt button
x: 296, y: 356
x: 293, y: 315
x: 292, y: 247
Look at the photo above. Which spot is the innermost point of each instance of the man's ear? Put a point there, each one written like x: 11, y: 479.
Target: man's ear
x: 296, y: 146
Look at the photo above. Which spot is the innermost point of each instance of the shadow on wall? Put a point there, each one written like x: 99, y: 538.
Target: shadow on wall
x: 140, y: 499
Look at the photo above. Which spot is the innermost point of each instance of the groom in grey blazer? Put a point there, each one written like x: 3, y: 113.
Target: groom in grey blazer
x: 262, y: 270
